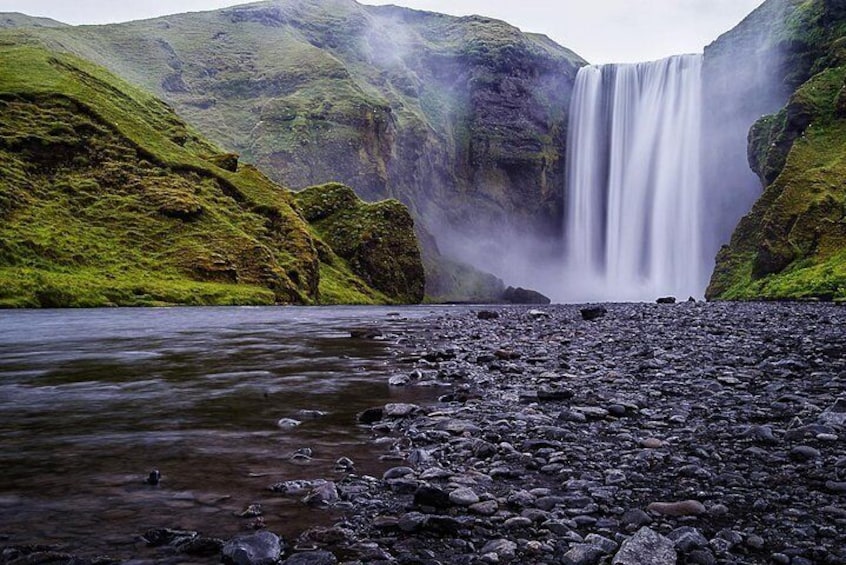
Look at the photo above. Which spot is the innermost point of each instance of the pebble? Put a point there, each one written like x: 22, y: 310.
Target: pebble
x: 681, y: 508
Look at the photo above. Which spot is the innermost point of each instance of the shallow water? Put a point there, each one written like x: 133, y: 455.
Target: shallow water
x: 92, y: 400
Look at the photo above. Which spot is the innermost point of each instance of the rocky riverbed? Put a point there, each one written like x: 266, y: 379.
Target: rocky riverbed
x: 657, y: 433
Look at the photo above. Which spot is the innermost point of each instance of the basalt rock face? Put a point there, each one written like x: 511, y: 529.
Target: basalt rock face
x: 793, y: 242
x: 462, y: 119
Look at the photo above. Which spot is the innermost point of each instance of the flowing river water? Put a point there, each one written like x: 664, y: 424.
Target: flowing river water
x: 92, y: 400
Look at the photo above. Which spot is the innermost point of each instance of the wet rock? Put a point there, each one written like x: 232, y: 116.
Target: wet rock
x: 397, y: 472
x: 399, y: 380
x: 804, y: 453
x: 370, y: 416
x: 311, y: 558
x: 681, y: 508
x: 287, y: 423
x: 400, y: 410
x: 261, y: 548
x: 412, y: 522
x: 582, y: 554
x: 166, y: 536
x: 297, y: 487
x: 324, y: 494
x: 251, y: 511
x: 505, y: 549
x: 836, y: 414
x: 487, y: 315
x: 432, y: 497
x: 593, y: 312
x: 646, y: 547
x: 687, y: 539
x: 311, y: 414
x: 485, y: 508
x: 666, y: 300
x: 344, y: 465
x: 154, y: 478
x: 463, y: 497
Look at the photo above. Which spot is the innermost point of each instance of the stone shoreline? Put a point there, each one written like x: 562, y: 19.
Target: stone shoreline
x: 685, y: 433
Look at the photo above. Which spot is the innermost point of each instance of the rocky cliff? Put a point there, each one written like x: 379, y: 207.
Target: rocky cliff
x: 793, y: 242
x: 108, y: 198
x: 462, y: 119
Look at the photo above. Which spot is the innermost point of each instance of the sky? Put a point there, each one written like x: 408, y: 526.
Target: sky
x: 601, y: 31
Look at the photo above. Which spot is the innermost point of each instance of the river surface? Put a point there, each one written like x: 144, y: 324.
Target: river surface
x: 92, y: 400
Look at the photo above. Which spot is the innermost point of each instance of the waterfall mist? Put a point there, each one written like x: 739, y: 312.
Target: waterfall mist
x: 634, y: 211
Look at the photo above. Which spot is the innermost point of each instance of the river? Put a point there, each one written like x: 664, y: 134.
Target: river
x: 92, y: 400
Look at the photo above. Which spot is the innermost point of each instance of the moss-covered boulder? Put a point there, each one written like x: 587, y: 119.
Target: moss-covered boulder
x: 377, y: 240
x: 793, y: 242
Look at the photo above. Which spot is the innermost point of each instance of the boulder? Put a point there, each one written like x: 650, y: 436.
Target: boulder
x: 261, y: 548
x: 646, y: 547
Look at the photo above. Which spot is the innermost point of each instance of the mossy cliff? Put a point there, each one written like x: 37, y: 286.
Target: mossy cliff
x: 461, y: 119
x: 376, y: 240
x: 107, y: 198
x: 793, y: 242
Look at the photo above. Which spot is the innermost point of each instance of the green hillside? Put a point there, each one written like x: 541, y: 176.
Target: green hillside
x: 461, y: 119
x: 793, y: 242
x: 107, y: 198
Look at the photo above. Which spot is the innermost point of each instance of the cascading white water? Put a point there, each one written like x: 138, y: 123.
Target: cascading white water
x: 634, y: 215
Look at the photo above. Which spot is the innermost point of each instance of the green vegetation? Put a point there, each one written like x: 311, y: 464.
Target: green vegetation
x: 461, y: 119
x: 376, y: 240
x: 793, y: 243
x: 107, y: 198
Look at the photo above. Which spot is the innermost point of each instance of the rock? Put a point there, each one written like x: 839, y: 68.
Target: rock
x: 344, y: 465
x: 325, y: 494
x: 432, y: 497
x: 311, y: 558
x: 836, y: 414
x: 154, y: 478
x: 311, y: 414
x: 682, y: 508
x: 687, y: 539
x: 554, y: 394
x: 582, y: 554
x: 538, y: 314
x: 606, y: 545
x: 251, y: 511
x: 296, y: 488
x: 505, y: 549
x: 524, y: 296
x: 399, y: 380
x: 287, y: 423
x: 667, y: 300
x: 463, y: 497
x: 396, y: 473
x: 485, y: 508
x: 166, y: 536
x: 803, y: 453
x: 261, y: 548
x: 370, y: 416
x: 646, y: 547
x: 487, y: 315
x: 593, y: 312
x: 400, y: 410
x: 412, y: 522
x: 365, y: 333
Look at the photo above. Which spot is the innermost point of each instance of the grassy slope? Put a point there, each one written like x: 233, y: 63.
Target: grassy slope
x: 107, y: 198
x: 793, y: 243
x: 393, y: 102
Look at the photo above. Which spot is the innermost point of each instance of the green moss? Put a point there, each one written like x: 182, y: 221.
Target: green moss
x: 107, y: 198
x: 376, y: 240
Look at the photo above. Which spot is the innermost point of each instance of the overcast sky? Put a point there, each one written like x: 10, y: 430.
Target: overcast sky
x: 601, y: 31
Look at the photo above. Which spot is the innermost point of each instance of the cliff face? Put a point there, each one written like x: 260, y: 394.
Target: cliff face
x: 793, y: 242
x: 462, y: 119
x: 107, y: 198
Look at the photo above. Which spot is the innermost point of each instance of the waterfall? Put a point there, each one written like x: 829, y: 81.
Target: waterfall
x: 634, y: 220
